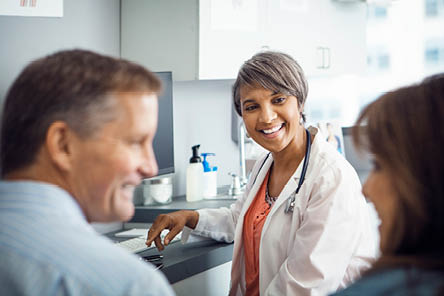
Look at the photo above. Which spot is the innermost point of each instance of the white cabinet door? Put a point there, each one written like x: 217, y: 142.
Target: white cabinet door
x: 293, y: 27
x: 343, y: 35
x: 326, y: 37
x: 210, y: 39
x: 230, y: 32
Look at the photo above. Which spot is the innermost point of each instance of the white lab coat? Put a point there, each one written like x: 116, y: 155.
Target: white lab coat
x: 322, y: 246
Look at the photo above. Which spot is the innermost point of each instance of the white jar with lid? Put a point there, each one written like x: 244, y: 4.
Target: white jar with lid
x: 158, y: 190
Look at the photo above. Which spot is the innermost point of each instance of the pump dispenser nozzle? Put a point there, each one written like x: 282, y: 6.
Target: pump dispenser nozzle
x: 195, y: 158
x: 209, y: 177
x: 206, y: 165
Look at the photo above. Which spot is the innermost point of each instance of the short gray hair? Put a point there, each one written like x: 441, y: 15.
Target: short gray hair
x: 275, y: 71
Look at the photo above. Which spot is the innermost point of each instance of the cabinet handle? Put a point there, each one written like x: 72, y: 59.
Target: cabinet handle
x: 320, y: 50
x: 327, y: 51
x: 324, y: 52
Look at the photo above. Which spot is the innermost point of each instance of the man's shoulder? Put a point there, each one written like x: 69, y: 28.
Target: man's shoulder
x: 114, y: 267
x: 87, y: 261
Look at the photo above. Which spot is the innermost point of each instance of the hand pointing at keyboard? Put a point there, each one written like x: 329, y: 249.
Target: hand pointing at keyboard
x: 175, y: 222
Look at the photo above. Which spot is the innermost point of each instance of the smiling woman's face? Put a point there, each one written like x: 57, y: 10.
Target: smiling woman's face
x: 271, y: 119
x: 379, y: 189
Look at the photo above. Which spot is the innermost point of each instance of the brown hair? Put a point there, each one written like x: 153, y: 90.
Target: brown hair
x: 274, y: 71
x: 404, y: 130
x: 73, y: 86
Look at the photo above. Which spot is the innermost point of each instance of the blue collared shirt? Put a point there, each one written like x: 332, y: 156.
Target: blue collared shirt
x: 48, y: 248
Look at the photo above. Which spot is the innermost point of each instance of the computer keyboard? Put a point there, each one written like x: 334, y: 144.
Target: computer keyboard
x: 137, y: 244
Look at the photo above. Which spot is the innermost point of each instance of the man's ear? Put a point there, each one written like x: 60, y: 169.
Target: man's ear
x: 59, y: 144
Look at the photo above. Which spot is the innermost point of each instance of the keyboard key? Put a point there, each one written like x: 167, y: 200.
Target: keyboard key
x: 134, y: 245
x: 137, y: 244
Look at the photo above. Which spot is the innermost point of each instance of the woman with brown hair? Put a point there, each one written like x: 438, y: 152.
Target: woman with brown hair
x: 404, y: 130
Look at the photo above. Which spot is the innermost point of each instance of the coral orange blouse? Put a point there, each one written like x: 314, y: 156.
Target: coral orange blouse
x: 253, y: 222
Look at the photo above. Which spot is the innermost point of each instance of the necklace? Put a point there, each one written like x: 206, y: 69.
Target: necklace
x: 269, y: 199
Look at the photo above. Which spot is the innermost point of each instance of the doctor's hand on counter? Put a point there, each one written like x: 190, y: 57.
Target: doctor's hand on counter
x: 175, y: 222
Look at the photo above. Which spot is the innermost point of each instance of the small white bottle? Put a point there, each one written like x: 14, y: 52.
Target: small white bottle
x: 194, y: 176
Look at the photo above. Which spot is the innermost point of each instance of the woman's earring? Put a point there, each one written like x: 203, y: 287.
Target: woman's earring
x: 301, y: 119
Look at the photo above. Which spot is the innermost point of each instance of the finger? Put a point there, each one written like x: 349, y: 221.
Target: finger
x: 172, y: 234
x: 155, y: 230
x: 151, y: 237
x: 158, y: 243
x: 150, y: 240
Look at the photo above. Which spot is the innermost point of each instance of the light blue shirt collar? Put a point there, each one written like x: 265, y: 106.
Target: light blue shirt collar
x: 46, y: 193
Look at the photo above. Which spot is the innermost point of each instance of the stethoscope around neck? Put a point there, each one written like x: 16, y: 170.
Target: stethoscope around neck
x: 289, y: 207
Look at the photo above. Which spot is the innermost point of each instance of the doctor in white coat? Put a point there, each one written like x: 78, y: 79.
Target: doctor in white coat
x: 302, y: 227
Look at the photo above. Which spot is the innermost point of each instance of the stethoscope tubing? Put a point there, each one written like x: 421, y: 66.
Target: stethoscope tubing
x: 291, y: 201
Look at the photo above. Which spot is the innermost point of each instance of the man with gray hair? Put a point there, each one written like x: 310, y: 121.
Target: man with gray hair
x: 76, y: 138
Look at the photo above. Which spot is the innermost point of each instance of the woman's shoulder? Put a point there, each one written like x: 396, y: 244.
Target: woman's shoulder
x: 326, y: 160
x: 325, y: 152
x: 397, y: 281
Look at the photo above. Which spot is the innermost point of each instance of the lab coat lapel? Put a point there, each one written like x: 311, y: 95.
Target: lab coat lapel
x: 258, y: 175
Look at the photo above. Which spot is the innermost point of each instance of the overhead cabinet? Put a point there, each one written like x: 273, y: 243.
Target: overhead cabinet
x: 210, y: 39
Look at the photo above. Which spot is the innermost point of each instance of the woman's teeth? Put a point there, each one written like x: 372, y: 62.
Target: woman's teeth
x: 272, y: 130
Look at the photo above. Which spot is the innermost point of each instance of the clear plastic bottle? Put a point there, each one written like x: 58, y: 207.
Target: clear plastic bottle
x: 194, y: 176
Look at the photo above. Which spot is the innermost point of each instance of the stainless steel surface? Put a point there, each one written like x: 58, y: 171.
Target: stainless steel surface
x: 223, y: 197
x: 241, y: 142
x: 159, y: 180
x: 225, y: 193
x: 235, y: 188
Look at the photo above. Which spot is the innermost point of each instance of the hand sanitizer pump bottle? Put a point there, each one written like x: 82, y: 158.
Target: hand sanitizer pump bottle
x: 209, y: 177
x: 194, y: 176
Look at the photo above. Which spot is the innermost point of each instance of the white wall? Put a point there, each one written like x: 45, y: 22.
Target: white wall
x: 93, y: 25
x: 202, y: 115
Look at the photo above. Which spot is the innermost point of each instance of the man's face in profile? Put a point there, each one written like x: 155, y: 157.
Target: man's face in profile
x: 111, y: 163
